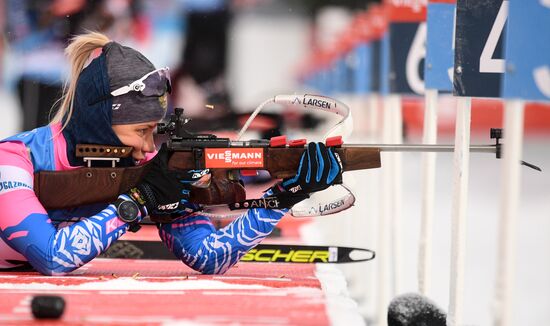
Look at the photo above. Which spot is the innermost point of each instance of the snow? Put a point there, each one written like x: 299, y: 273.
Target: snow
x: 131, y: 284
x: 341, y: 308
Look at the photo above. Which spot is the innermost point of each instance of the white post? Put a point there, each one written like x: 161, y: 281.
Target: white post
x: 383, y: 252
x: 357, y: 225
x: 428, y: 185
x: 396, y: 194
x: 460, y: 200
x: 364, y: 212
x: 511, y: 176
x: 372, y: 212
x: 373, y: 121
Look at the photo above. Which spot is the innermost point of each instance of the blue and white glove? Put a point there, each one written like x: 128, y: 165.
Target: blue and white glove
x: 319, y: 168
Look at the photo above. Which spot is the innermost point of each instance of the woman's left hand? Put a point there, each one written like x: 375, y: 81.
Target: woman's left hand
x: 164, y: 192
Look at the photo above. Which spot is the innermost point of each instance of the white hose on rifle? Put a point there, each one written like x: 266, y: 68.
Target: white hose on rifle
x: 315, y: 102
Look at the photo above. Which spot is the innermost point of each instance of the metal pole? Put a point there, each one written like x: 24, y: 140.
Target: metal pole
x: 425, y: 148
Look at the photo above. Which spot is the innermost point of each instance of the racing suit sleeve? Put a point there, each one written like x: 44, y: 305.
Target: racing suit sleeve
x: 26, y: 227
x: 199, y: 245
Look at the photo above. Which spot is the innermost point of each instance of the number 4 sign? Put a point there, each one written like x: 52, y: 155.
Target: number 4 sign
x: 479, y: 56
x: 528, y: 51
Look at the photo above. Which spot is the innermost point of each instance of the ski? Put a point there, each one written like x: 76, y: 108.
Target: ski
x: 276, y: 253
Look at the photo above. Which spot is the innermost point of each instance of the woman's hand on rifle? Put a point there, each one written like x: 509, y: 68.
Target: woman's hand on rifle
x: 320, y: 167
x: 165, y: 193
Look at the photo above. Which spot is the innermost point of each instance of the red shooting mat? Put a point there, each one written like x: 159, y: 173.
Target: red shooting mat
x: 108, y: 291
x: 148, y: 292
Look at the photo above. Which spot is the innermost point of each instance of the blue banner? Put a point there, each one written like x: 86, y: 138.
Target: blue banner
x: 362, y: 72
x: 528, y: 51
x: 385, y: 65
x: 440, y: 47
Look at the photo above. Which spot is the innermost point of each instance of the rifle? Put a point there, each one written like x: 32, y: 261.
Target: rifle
x: 92, y: 185
x: 89, y: 185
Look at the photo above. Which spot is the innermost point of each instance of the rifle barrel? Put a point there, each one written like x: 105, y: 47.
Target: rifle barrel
x: 424, y: 148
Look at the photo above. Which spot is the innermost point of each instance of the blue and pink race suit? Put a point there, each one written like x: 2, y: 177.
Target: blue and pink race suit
x: 56, y: 242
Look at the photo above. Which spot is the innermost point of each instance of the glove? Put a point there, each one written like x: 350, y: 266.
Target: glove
x: 165, y: 193
x: 319, y: 168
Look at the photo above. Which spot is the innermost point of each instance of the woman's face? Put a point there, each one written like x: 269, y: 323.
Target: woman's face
x: 139, y: 136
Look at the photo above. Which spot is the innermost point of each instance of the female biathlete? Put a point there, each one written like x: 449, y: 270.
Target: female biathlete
x: 115, y: 96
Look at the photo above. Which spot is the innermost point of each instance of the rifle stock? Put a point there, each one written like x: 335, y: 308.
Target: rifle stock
x: 84, y: 186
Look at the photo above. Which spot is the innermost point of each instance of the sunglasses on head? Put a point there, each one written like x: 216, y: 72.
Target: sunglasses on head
x: 155, y: 83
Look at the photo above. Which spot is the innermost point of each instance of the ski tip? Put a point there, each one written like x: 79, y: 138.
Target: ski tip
x: 360, y: 254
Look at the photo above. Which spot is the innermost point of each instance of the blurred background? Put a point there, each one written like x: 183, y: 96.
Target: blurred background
x: 230, y: 54
x: 226, y: 57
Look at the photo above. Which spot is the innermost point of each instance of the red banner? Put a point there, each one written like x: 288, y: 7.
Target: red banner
x: 378, y: 20
x: 406, y: 10
x: 443, y: 1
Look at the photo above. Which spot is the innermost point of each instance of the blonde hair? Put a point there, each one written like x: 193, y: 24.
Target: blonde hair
x: 78, y: 51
